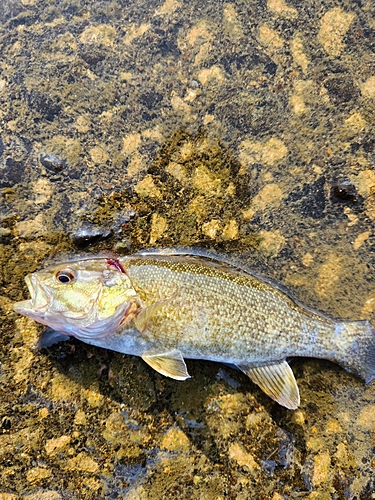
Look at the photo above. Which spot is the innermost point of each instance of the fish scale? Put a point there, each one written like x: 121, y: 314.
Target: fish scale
x: 260, y: 321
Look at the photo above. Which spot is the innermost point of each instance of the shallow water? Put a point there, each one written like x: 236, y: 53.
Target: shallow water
x: 244, y: 127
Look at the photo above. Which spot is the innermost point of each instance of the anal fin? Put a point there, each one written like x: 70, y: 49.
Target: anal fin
x: 171, y: 364
x: 277, y: 381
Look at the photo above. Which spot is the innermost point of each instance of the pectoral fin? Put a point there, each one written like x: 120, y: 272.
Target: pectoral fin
x: 171, y: 364
x: 277, y: 381
x: 50, y: 337
x: 146, y: 313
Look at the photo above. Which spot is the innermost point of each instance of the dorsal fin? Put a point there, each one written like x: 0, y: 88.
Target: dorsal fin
x: 277, y: 381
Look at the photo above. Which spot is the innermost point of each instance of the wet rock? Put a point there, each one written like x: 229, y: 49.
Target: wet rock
x: 147, y: 187
x: 237, y: 61
x: 64, y: 389
x: 341, y: 89
x: 42, y: 495
x: 122, y: 219
x: 242, y: 457
x: 83, y: 462
x: 9, y: 10
x: 6, y: 424
x: 4, y: 232
x: 52, y: 162
x: 275, y: 110
x: 55, y: 446
x: 32, y: 228
x: 89, y: 234
x: 123, y: 246
x: 131, y: 380
x: 130, y: 453
x: 37, y: 474
x: 12, y: 173
x: 80, y: 418
x: 344, y: 190
x: 158, y: 228
x: 121, y: 429
x: 8, y: 496
x: 175, y: 440
x: 322, y: 464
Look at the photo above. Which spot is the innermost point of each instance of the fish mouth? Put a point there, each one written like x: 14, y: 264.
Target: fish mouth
x: 37, y: 305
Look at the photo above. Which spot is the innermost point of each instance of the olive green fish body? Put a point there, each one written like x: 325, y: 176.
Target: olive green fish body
x: 222, y: 314
x: 166, y: 307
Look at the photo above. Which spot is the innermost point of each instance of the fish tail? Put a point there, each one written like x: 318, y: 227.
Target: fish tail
x: 356, y: 353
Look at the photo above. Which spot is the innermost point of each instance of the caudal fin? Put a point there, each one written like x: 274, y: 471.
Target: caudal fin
x: 356, y: 348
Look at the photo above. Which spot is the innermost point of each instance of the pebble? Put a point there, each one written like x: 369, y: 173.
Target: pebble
x: 175, y: 440
x: 344, y: 190
x: 89, y: 234
x: 52, y: 162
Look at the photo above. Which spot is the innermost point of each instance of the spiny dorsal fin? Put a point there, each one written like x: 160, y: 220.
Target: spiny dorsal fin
x: 277, y: 381
x: 147, y: 312
x: 171, y: 364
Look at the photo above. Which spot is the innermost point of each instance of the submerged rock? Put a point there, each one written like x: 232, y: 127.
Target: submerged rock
x: 344, y: 190
x: 89, y: 234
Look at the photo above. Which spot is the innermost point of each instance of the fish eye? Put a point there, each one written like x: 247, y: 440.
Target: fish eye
x: 65, y: 276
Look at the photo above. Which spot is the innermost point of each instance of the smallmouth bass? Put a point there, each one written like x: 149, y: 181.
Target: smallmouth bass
x: 165, y: 307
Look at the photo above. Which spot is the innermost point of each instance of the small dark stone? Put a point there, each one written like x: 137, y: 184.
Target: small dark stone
x: 89, y: 234
x: 344, y: 190
x: 92, y: 55
x: 168, y: 46
x: 271, y: 68
x: 52, y: 162
x: 6, y: 423
x: 150, y: 99
x: 75, y: 172
x: 341, y: 89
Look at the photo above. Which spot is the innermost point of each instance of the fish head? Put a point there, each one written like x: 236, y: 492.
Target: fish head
x: 84, y: 298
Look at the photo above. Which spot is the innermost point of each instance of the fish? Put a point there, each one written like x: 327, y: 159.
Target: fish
x: 168, y: 305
